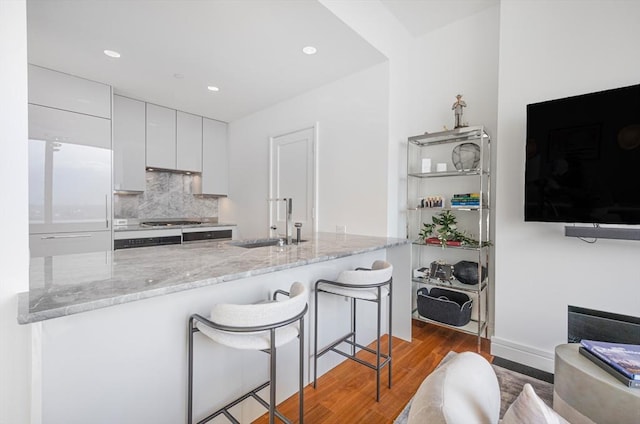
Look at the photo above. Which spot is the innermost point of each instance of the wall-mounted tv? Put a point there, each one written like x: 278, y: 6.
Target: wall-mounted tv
x: 583, y: 158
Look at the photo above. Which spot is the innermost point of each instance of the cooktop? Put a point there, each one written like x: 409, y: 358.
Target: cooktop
x: 169, y: 223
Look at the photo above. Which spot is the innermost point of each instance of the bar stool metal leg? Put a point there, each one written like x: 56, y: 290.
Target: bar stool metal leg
x: 301, y: 375
x: 272, y: 376
x: 315, y: 339
x: 373, y: 285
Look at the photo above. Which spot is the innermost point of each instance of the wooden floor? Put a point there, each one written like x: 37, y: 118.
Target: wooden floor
x: 347, y: 393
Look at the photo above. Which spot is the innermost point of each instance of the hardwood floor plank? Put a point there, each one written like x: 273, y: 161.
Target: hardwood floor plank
x: 347, y: 393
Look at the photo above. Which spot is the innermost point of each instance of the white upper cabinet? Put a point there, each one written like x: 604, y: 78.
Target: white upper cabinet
x: 189, y: 142
x: 161, y: 137
x: 215, y: 167
x: 62, y: 91
x: 59, y: 126
x: 128, y: 144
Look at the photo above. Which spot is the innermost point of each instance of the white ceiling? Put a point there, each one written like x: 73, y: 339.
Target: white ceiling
x: 250, y: 49
x: 423, y: 16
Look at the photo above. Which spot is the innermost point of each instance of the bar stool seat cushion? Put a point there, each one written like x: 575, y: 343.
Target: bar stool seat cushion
x: 254, y: 315
x: 380, y: 272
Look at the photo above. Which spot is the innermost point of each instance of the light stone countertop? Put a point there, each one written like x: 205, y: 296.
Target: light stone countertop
x: 70, y: 284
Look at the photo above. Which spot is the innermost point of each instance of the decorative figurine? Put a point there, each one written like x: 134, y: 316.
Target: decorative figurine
x: 457, y: 108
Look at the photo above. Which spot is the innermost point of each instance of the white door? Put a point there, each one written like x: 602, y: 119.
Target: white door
x: 293, y: 175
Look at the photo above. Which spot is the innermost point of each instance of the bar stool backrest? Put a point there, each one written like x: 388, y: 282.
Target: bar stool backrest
x: 260, y: 314
x: 381, y: 272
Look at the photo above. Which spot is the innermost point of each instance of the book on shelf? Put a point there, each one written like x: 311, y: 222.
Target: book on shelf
x: 436, y: 240
x: 608, y: 368
x: 467, y: 195
x: 623, y: 357
x: 464, y: 204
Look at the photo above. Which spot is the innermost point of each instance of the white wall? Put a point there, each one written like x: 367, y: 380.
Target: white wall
x: 352, y: 166
x: 460, y: 58
x: 14, y: 254
x: 553, y: 49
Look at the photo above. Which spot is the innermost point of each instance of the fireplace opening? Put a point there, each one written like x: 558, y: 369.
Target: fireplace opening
x: 591, y: 324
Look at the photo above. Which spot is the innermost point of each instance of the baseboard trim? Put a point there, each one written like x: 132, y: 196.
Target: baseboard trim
x: 522, y: 354
x: 523, y: 369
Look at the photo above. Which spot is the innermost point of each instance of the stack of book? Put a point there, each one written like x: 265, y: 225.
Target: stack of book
x: 620, y: 360
x: 467, y: 200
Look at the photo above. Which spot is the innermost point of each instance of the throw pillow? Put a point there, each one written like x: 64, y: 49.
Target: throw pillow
x: 462, y: 391
x: 529, y: 408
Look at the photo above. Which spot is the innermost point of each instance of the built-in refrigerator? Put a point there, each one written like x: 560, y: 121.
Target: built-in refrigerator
x: 69, y: 181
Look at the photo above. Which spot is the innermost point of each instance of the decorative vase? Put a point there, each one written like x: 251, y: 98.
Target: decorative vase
x: 467, y: 272
x: 466, y: 156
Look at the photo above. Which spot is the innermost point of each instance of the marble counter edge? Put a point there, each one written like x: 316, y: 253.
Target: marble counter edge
x: 26, y: 317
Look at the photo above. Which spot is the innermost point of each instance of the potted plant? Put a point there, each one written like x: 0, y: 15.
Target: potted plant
x: 443, y: 230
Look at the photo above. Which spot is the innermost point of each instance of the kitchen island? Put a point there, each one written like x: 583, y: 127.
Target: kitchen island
x: 110, y: 328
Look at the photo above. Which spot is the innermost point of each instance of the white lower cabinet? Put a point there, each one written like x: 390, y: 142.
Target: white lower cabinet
x: 52, y: 244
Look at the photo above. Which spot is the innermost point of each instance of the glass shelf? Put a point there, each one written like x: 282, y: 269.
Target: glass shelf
x: 451, y: 284
x: 451, y: 136
x: 476, y: 171
x: 452, y: 209
x: 471, y: 327
x: 422, y: 243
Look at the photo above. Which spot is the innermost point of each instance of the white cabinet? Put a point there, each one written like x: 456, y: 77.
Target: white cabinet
x: 215, y: 165
x: 128, y: 144
x: 161, y: 137
x: 174, y: 139
x: 67, y: 92
x: 53, y: 244
x: 189, y: 142
x: 56, y: 125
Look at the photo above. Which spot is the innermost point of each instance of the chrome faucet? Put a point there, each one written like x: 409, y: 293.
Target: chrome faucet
x: 288, y: 232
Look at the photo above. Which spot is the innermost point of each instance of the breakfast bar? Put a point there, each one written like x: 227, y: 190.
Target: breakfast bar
x: 110, y: 328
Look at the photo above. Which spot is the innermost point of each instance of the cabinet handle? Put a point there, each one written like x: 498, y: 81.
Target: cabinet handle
x: 106, y: 210
x: 65, y: 236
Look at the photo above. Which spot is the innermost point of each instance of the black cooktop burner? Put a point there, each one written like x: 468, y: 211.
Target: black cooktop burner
x: 169, y: 223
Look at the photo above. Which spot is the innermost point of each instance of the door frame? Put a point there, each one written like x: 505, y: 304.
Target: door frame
x: 316, y: 138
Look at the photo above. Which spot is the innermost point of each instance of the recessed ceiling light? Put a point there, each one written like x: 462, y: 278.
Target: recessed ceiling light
x: 309, y: 50
x: 112, y: 53
x: 212, y: 88
x: 178, y: 76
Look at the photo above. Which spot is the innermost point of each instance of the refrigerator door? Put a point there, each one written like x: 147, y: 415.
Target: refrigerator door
x: 69, y: 172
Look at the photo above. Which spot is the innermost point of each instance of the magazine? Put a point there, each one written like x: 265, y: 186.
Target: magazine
x: 623, y: 357
x: 608, y: 368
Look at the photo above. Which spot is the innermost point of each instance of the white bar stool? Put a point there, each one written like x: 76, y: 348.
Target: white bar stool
x: 262, y: 326
x: 371, y: 285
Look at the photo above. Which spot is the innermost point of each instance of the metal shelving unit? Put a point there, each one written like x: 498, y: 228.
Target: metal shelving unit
x: 422, y: 183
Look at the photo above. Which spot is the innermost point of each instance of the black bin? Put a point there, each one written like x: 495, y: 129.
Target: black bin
x: 445, y: 306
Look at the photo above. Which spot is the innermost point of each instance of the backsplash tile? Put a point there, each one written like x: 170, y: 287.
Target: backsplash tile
x: 167, y: 195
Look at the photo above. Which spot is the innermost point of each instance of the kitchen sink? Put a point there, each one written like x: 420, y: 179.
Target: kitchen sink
x: 251, y: 244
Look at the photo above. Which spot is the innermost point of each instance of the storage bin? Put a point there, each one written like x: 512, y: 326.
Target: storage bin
x: 445, y: 306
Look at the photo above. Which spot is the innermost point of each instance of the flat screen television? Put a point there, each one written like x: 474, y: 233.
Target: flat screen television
x: 583, y: 158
